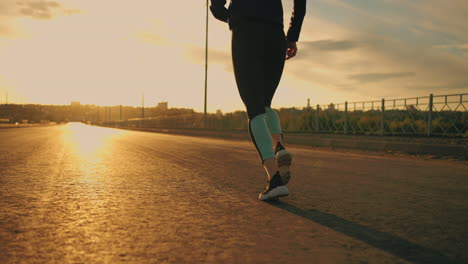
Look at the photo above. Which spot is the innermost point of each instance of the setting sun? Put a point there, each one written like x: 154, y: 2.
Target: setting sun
x: 110, y: 53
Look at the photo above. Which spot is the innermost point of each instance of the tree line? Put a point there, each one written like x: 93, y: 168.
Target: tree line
x: 371, y: 122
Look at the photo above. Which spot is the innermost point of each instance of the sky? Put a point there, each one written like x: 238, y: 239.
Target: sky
x: 110, y: 52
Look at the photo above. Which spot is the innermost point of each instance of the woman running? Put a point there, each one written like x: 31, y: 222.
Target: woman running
x: 259, y: 50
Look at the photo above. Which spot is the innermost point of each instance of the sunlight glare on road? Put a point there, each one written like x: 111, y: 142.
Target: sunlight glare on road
x: 89, y: 142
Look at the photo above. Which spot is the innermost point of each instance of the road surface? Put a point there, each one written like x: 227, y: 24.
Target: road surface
x: 81, y: 194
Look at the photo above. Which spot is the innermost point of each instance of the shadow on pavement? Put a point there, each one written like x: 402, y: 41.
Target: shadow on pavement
x: 385, y: 241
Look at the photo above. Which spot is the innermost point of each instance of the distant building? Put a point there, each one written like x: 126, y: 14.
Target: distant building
x: 162, y: 106
x: 75, y: 103
x: 219, y: 113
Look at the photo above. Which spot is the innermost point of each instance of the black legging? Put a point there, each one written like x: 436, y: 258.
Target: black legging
x: 258, y: 54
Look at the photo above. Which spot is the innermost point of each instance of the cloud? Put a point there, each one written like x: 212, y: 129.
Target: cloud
x: 72, y: 11
x: 377, y: 77
x: 38, y: 9
x: 378, y: 66
x: 7, y: 7
x: 11, y: 10
x: 197, y: 55
x: 152, y: 38
x: 383, y: 48
x: 328, y: 45
x: 445, y: 86
x: 427, y: 62
x: 434, y: 20
x: 458, y: 49
x: 438, y: 15
x: 7, y: 10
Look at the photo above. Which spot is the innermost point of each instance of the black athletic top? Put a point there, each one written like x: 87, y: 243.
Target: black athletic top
x: 270, y: 11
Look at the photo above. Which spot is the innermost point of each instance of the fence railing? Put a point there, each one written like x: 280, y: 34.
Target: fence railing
x: 440, y: 115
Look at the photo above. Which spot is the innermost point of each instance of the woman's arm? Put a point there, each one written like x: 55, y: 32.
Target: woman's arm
x: 296, y: 20
x: 219, y: 10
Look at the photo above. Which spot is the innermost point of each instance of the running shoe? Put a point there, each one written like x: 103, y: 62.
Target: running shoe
x: 274, y: 189
x: 283, y: 160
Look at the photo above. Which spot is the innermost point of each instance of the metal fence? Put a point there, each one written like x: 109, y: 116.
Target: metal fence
x: 442, y: 115
x: 439, y: 115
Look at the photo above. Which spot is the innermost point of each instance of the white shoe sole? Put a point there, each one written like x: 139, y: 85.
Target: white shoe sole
x: 284, y: 159
x: 279, y: 191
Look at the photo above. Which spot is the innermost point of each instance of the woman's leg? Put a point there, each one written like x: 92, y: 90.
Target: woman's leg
x: 261, y: 137
x: 274, y: 68
x: 274, y: 126
x: 249, y: 70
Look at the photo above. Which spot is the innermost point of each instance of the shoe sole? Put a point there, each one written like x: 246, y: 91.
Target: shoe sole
x: 274, y: 194
x: 284, y: 159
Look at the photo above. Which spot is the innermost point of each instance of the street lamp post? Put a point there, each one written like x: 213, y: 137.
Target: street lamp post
x: 143, y: 105
x: 206, y: 65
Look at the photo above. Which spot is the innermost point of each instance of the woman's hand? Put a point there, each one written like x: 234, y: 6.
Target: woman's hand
x: 291, y: 50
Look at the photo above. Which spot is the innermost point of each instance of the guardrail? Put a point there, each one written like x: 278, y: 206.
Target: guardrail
x: 439, y: 115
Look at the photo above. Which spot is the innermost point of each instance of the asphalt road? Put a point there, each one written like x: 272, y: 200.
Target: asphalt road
x: 82, y: 194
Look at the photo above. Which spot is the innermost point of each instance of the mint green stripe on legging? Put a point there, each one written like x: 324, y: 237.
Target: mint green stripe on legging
x: 261, y: 137
x: 273, y: 121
